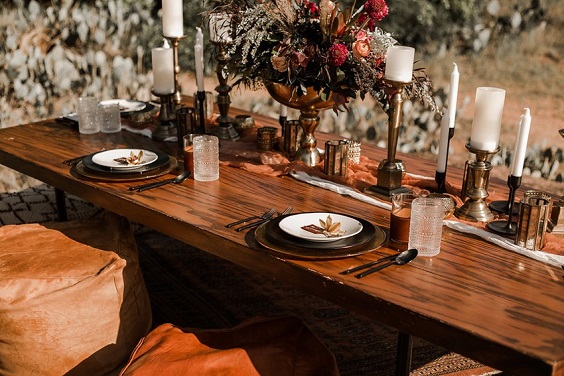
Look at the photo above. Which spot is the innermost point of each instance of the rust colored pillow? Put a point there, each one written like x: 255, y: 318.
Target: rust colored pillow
x: 277, y: 346
x: 72, y: 297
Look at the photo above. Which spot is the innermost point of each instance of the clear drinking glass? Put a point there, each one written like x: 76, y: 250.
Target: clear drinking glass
x: 206, y: 158
x: 87, y: 109
x: 110, y: 118
x: 426, y: 226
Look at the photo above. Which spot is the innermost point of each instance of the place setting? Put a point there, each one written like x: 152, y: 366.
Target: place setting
x: 319, y: 235
x: 123, y: 164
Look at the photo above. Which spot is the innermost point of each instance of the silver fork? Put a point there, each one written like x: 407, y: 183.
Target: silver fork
x: 266, y: 215
x: 286, y: 211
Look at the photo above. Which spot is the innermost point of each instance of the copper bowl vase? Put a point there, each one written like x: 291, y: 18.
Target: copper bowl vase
x: 309, y: 106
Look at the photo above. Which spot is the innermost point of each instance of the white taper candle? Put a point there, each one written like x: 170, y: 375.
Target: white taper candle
x: 443, y: 145
x: 199, y: 56
x: 521, y: 144
x: 453, y: 95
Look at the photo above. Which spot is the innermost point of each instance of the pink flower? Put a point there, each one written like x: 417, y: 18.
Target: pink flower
x: 279, y: 63
x: 361, y: 35
x: 376, y: 9
x: 338, y: 54
x: 361, y: 48
x: 299, y: 59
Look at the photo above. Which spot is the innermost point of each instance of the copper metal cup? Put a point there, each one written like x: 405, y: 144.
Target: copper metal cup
x: 534, y: 212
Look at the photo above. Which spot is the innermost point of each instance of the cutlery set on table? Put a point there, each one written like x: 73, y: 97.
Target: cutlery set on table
x: 321, y: 236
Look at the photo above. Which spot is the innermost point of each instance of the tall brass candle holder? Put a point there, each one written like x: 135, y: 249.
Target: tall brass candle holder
x: 391, y: 170
x: 225, y: 130
x: 175, y: 41
x: 166, y: 127
x: 475, y: 186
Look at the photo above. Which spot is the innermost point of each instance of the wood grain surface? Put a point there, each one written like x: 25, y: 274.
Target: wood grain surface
x: 474, y: 298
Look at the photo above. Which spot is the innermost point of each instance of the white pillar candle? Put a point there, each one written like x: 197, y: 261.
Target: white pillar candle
x: 443, y: 144
x: 199, y: 56
x: 486, y: 125
x: 220, y: 28
x: 453, y: 96
x: 283, y: 111
x: 399, y: 63
x: 173, y: 21
x: 163, y: 70
x: 521, y: 144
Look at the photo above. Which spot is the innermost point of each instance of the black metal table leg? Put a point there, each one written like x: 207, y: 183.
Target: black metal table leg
x: 403, y: 356
x: 61, y: 205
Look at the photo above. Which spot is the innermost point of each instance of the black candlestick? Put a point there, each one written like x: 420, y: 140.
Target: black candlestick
x: 502, y: 206
x: 166, y: 127
x: 507, y: 227
x: 440, y: 177
x: 282, y: 122
x: 201, y: 96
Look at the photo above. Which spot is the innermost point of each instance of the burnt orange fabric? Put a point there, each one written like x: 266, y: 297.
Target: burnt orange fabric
x: 276, y: 346
x: 72, y: 298
x: 245, y: 155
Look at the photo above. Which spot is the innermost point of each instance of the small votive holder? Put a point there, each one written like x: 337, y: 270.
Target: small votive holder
x: 534, y: 212
x: 291, y: 138
x: 336, y: 158
x: 266, y: 137
x: 110, y: 118
x: 354, y: 151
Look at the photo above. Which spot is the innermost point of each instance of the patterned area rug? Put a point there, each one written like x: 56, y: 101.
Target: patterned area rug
x: 191, y: 288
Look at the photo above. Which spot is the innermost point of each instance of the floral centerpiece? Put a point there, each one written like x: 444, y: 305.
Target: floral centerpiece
x: 302, y: 44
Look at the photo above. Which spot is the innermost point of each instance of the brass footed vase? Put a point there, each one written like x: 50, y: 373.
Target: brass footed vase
x: 309, y: 106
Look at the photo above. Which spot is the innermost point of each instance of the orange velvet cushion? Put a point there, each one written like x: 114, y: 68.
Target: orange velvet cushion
x: 279, y: 346
x: 72, y: 297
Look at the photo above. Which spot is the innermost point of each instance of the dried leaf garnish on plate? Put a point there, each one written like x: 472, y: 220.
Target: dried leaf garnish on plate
x: 331, y: 230
x: 132, y: 159
x: 327, y: 228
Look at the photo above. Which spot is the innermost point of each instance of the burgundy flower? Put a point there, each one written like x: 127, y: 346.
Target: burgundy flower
x: 376, y: 9
x: 371, y: 25
x: 311, y: 7
x: 338, y: 54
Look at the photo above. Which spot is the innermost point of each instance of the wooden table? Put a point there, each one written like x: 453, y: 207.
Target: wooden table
x: 474, y: 298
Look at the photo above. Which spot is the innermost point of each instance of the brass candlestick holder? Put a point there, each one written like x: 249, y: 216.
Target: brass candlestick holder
x: 175, y: 41
x: 225, y: 130
x: 166, y: 127
x: 391, y: 170
x: 475, y: 187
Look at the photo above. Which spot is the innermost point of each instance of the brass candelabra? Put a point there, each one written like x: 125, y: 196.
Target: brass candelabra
x: 475, y: 186
x: 175, y: 41
x: 225, y: 130
x: 392, y: 170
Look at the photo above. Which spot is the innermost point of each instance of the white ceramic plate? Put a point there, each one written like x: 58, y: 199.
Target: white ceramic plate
x: 106, y: 158
x: 126, y: 105
x: 293, y: 224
